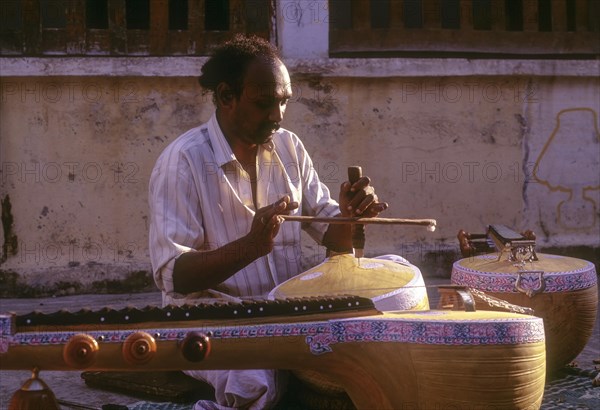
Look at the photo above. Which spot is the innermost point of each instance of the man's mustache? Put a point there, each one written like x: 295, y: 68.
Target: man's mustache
x: 272, y: 126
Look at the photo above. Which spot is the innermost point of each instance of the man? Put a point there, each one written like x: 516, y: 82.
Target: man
x: 216, y: 194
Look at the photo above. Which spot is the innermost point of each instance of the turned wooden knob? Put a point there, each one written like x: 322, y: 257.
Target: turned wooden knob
x: 139, y: 348
x: 195, y: 346
x: 80, y: 351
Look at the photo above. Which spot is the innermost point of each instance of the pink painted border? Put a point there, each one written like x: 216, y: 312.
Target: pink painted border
x: 505, y: 282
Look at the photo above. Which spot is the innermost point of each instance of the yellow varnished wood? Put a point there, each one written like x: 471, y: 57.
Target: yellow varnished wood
x: 347, y: 275
x: 546, y: 263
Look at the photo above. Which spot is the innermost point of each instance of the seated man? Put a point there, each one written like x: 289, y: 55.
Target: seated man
x: 216, y: 194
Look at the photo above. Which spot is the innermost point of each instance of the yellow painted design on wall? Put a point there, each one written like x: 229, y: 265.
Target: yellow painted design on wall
x: 569, y: 162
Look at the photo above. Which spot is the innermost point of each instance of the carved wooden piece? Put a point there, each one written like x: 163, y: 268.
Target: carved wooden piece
x: 383, y: 361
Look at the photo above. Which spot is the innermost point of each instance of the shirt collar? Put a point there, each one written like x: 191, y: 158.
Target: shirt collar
x: 221, y: 148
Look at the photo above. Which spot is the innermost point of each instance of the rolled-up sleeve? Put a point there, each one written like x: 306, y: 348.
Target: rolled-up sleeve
x: 316, y: 198
x: 176, y: 217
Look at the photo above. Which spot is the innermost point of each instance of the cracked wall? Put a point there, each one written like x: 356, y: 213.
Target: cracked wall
x: 76, y: 154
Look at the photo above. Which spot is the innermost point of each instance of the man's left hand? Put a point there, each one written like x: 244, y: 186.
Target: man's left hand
x: 359, y: 199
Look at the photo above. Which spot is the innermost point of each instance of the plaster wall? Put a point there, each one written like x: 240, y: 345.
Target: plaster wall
x: 76, y: 154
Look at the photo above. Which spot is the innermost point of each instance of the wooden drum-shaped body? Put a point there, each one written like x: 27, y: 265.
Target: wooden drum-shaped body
x: 561, y: 290
x: 390, y: 282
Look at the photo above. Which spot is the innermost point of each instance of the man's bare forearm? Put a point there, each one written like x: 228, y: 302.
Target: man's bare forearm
x: 196, y: 270
x: 199, y: 270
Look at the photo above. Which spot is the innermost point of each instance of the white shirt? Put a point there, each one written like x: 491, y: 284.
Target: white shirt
x: 201, y: 199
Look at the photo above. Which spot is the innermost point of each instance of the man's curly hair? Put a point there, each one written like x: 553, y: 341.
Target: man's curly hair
x: 229, y: 62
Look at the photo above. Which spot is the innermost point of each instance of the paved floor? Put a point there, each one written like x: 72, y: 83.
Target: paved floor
x: 69, y: 385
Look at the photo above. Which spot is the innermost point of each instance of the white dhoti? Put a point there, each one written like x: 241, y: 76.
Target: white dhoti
x: 242, y: 389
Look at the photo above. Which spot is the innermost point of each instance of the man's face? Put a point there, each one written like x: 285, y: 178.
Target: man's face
x: 256, y: 115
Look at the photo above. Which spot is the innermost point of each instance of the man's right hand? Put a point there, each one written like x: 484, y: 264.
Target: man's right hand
x: 265, y: 225
x: 199, y: 270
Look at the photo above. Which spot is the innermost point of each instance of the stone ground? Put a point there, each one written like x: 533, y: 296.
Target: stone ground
x: 70, y: 386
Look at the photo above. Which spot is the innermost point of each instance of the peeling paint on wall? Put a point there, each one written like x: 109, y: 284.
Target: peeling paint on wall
x: 10, y: 245
x: 319, y: 95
